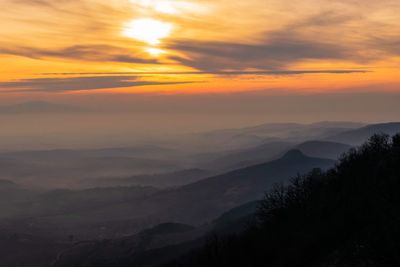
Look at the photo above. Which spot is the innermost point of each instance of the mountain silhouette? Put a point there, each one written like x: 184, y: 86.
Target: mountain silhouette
x: 236, y: 159
x: 208, y: 198
x: 359, y: 136
x: 323, y: 149
x: 205, y: 200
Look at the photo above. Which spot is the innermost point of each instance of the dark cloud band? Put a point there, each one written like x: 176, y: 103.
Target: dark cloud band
x: 222, y: 73
x: 77, y: 83
x: 100, y: 53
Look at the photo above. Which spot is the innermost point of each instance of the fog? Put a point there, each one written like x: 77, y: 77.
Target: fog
x: 114, y: 120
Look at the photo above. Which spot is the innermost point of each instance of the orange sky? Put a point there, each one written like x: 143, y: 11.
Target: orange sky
x: 187, y: 46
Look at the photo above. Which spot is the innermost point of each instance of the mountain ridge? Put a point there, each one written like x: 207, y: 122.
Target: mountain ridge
x: 358, y: 136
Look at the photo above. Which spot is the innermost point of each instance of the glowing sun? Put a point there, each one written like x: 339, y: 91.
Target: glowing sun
x: 148, y: 30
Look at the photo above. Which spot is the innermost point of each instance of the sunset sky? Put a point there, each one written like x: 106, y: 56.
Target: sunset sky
x: 58, y: 48
x: 135, y: 68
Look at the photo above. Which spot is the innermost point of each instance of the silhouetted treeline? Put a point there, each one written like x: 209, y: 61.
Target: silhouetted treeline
x: 347, y: 216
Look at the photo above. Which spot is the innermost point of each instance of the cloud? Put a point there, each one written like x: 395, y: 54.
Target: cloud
x: 76, y: 84
x: 387, y: 44
x: 223, y: 73
x: 33, y: 2
x: 101, y: 53
x: 292, y: 33
x: 303, y: 40
x: 277, y: 53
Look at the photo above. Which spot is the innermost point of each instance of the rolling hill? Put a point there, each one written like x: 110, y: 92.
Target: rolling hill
x: 195, y: 203
x: 359, y: 136
x: 323, y: 149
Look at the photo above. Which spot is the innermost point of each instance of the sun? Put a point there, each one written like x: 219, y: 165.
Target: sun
x: 148, y: 30
x: 154, y: 51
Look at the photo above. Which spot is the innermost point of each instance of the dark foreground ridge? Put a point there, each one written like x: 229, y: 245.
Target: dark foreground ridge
x: 347, y: 216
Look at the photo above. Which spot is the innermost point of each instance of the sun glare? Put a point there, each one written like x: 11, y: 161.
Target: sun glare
x: 155, y: 51
x: 148, y: 30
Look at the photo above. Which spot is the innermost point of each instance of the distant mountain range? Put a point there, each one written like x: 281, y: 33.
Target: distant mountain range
x: 195, y: 203
x: 360, y: 135
x: 324, y: 146
x: 241, y: 138
x: 272, y: 150
x: 167, y: 164
x: 323, y: 149
x: 193, y: 198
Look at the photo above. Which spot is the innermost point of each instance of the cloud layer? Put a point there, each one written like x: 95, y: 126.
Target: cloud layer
x: 216, y: 37
x: 76, y: 84
x: 99, y: 53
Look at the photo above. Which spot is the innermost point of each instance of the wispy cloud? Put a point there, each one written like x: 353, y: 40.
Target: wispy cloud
x: 99, y: 53
x: 221, y: 73
x: 275, y: 50
x: 276, y: 54
x: 227, y: 38
x: 76, y: 84
x: 387, y: 44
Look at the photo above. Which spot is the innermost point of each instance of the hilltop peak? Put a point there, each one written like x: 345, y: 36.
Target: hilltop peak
x: 294, y: 154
